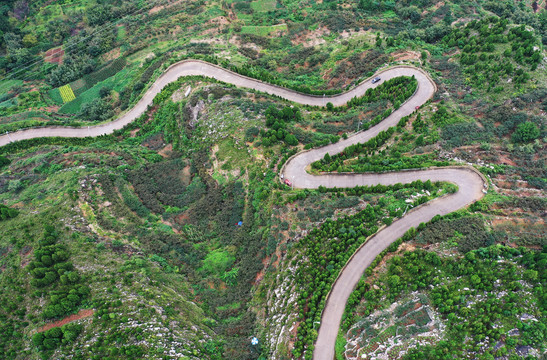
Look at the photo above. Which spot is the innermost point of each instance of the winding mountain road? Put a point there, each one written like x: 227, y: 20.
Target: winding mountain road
x: 469, y: 181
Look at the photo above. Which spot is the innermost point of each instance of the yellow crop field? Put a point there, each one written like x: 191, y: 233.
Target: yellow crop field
x: 66, y: 93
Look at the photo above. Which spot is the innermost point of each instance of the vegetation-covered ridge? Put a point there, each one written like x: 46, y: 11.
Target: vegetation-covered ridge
x: 502, y: 285
x: 178, y: 225
x: 323, y: 253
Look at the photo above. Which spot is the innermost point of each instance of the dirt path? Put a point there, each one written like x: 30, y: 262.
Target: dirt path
x: 82, y: 314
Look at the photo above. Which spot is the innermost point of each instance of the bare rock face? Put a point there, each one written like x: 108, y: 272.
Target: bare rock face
x: 194, y: 112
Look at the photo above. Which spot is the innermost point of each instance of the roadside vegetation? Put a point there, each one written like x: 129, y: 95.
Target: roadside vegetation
x: 500, y: 285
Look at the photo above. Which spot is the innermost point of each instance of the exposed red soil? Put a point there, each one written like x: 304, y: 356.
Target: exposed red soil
x: 406, y: 55
x: 378, y: 269
x: 293, y: 334
x: 326, y: 75
x: 54, y: 56
x: 165, y: 222
x: 49, y: 2
x: 112, y: 54
x: 26, y: 255
x: 158, y: 8
x: 50, y: 109
x: 340, y: 81
x: 155, y: 142
x: 311, y: 38
x: 74, y: 317
x: 504, y: 159
x: 166, y: 151
x: 182, y: 218
x: 261, y: 273
x: 517, y: 222
x: 436, y: 7
x: 509, y: 184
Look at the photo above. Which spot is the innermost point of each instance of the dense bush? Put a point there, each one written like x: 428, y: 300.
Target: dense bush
x: 464, y: 134
x: 468, y: 232
x: 396, y: 90
x: 53, y: 338
x: 526, y: 132
x: 73, y: 68
x: 51, y: 267
x: 277, y: 120
x: 478, y: 40
x: 96, y: 110
x: 360, y: 64
x: 454, y: 284
x: 7, y: 212
x: 160, y: 185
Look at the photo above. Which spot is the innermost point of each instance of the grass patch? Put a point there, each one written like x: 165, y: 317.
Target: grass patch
x: 264, y: 5
x: 6, y: 85
x: 390, y: 14
x: 232, y: 306
x: 219, y: 178
x: 340, y: 346
x: 228, y: 152
x: 9, y: 103
x: 122, y: 32
x: 263, y: 30
x: 217, y: 261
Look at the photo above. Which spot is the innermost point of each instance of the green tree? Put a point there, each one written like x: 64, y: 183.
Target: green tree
x: 394, y: 280
x: 290, y: 139
x: 29, y: 40
x: 526, y: 132
x: 96, y: 110
x: 475, y: 279
x: 366, y: 5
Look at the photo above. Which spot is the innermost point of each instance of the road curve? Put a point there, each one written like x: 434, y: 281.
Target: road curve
x: 198, y: 67
x: 469, y: 181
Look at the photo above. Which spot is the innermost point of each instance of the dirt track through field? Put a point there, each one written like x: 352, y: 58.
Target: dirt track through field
x: 470, y: 182
x: 82, y: 314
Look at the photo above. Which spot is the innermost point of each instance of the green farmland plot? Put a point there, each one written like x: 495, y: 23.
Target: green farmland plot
x: 116, y: 82
x: 55, y: 95
x: 66, y: 93
x: 88, y: 81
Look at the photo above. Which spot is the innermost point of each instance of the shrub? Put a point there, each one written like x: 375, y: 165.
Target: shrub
x: 526, y: 132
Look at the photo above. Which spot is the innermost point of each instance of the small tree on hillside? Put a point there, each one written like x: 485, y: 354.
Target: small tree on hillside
x: 526, y: 132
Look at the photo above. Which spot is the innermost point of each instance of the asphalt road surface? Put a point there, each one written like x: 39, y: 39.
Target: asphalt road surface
x: 469, y: 181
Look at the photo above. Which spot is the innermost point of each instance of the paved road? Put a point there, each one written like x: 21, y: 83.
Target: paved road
x: 196, y: 67
x: 469, y: 181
